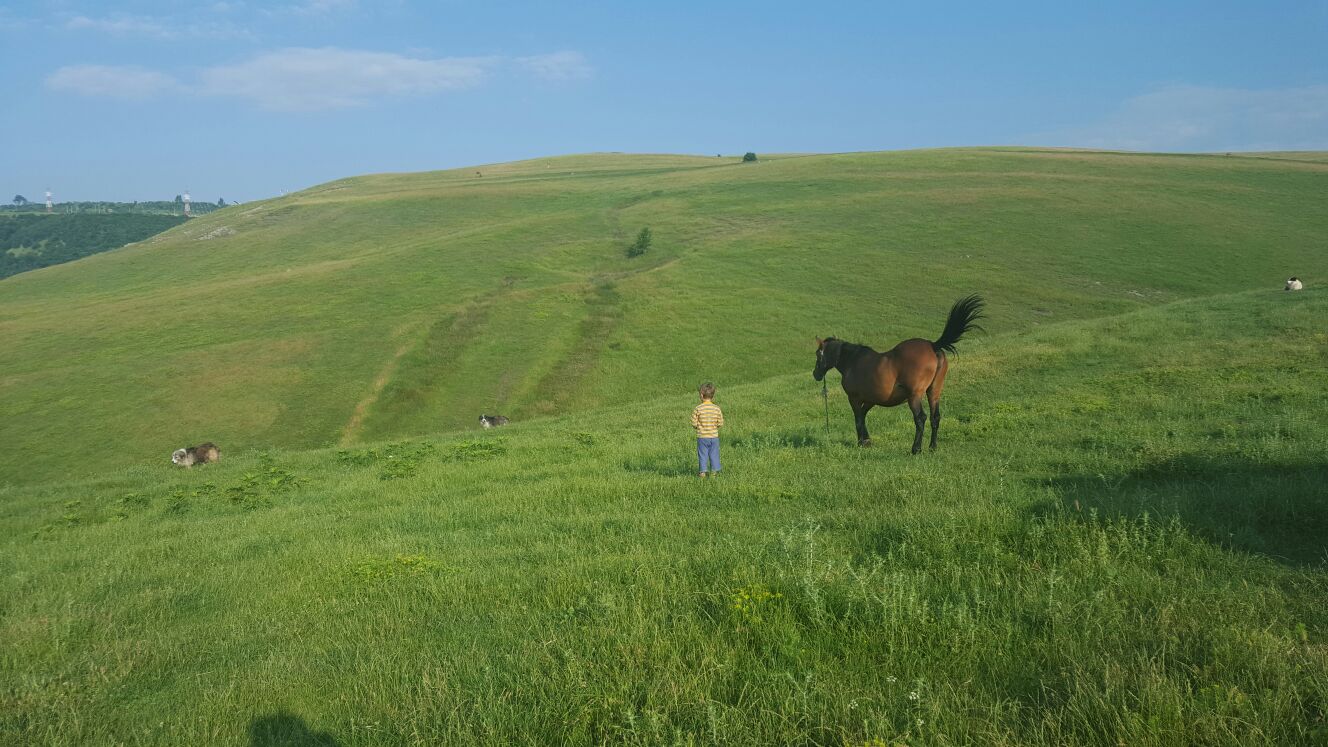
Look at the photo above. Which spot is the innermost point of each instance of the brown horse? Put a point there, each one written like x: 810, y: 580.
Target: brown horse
x: 903, y: 374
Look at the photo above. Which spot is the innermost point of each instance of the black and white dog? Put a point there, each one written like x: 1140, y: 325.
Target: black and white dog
x: 1294, y: 284
x: 492, y: 421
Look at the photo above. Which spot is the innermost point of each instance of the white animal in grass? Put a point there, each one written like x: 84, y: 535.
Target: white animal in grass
x: 1294, y: 284
x: 492, y: 421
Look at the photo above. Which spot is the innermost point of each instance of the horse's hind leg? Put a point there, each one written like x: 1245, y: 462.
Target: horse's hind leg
x: 934, y: 399
x: 919, y: 421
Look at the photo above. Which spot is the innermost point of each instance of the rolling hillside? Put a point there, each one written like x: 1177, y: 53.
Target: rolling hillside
x: 387, y: 306
x: 1120, y: 541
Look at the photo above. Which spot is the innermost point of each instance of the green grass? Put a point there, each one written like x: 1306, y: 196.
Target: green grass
x: 400, y: 305
x: 1120, y: 541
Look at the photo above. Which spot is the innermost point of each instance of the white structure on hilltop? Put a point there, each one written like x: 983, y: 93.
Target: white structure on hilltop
x: 186, y: 204
x: 48, y: 201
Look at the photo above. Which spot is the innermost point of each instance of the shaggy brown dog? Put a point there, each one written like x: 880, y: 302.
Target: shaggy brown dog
x: 201, y: 454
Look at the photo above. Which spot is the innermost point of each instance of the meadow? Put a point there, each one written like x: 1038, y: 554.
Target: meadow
x: 1131, y: 551
x: 397, y: 305
x: 1123, y: 538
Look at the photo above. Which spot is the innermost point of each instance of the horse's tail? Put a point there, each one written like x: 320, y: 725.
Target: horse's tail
x: 963, y: 316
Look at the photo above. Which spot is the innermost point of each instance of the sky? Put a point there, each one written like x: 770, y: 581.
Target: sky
x: 245, y: 100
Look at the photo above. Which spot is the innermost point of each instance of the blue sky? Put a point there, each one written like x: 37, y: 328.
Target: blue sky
x: 244, y: 100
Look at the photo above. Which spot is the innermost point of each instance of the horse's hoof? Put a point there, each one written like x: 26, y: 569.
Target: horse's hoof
x: 864, y: 443
x: 917, y: 450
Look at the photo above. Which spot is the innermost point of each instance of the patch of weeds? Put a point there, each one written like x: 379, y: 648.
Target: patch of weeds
x: 68, y: 519
x: 362, y: 458
x: 477, y: 449
x: 71, y: 517
x: 127, y: 504
x: 751, y: 604
x: 178, y: 501
x: 398, y: 460
x: 788, y: 440
x: 404, y: 460
x: 400, y: 566
x: 584, y: 438
x: 256, y: 489
x: 578, y: 611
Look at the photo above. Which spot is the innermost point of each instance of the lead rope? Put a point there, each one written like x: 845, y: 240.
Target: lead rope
x: 825, y: 398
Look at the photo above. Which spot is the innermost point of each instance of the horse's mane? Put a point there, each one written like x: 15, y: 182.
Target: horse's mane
x: 849, y: 351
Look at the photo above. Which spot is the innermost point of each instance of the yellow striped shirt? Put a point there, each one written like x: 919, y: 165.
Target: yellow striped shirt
x: 707, y: 419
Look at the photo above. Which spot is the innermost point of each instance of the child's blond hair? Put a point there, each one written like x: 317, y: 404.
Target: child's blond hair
x: 707, y: 391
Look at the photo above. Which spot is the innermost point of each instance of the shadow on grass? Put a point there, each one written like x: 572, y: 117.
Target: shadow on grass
x: 287, y: 730
x: 1277, y: 510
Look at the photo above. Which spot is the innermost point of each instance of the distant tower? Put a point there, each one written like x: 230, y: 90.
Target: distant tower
x: 186, y: 204
x: 48, y: 201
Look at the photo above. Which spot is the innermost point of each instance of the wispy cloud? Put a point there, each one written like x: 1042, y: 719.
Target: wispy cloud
x: 110, y: 81
x: 557, y: 66
x: 302, y: 79
x: 123, y: 25
x: 156, y: 28
x: 322, y: 7
x: 310, y: 8
x: 312, y: 79
x: 1200, y: 118
x: 10, y: 21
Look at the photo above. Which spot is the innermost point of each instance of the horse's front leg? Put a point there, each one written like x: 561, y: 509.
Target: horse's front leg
x: 860, y: 419
x: 919, y: 421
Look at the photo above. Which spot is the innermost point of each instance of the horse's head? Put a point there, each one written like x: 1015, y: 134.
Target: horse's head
x: 827, y: 356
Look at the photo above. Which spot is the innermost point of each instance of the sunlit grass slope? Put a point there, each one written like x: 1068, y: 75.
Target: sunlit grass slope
x: 391, y: 305
x: 1121, y: 541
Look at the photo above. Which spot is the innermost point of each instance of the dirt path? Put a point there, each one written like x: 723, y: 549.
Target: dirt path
x: 352, y: 428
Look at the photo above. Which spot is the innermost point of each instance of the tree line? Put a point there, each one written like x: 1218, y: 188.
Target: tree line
x: 21, y: 204
x: 31, y: 241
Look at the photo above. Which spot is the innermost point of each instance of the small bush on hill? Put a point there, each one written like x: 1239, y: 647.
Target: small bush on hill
x: 748, y: 157
x: 641, y: 245
x: 475, y: 450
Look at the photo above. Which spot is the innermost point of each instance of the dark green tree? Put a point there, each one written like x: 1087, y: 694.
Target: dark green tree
x: 641, y: 245
x: 748, y: 156
x: 20, y: 200
x: 221, y: 202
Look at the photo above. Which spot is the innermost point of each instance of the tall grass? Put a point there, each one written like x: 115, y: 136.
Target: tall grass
x: 1120, y: 540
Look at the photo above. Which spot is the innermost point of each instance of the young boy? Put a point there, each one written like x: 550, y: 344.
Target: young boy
x: 707, y: 419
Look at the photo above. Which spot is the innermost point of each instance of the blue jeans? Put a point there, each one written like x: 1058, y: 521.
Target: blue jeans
x: 707, y: 452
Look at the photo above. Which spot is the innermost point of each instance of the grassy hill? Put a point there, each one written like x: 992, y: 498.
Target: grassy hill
x: 1120, y: 541
x: 396, y: 305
